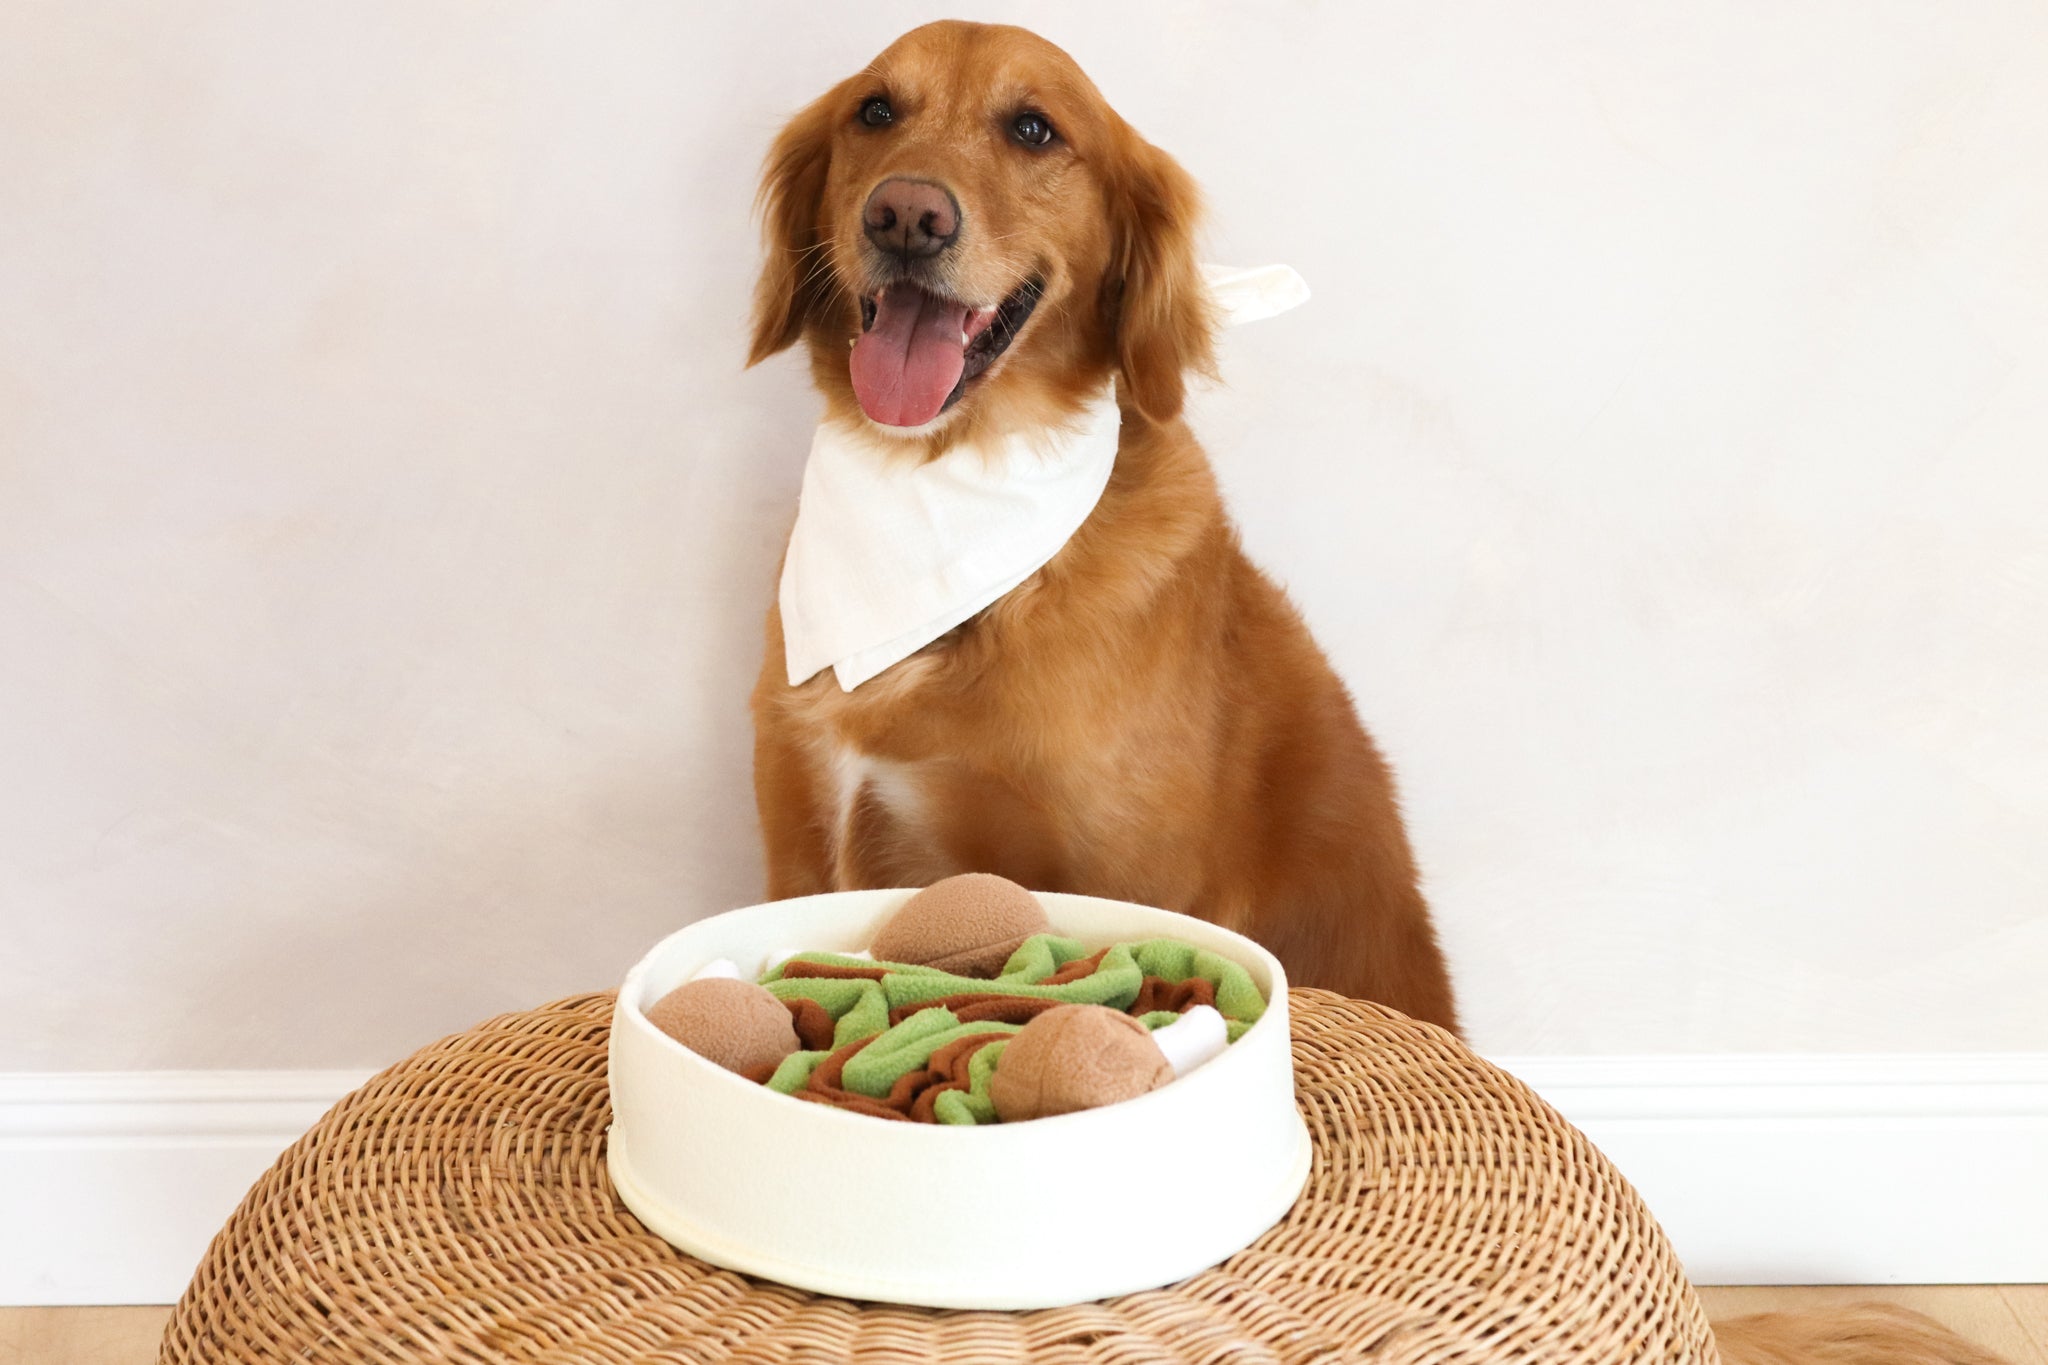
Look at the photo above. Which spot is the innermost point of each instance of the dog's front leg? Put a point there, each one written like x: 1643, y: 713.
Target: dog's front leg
x: 796, y: 814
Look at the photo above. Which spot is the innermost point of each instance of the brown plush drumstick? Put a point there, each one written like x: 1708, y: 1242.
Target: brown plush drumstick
x: 735, y: 1023
x: 1075, y: 1057
x: 968, y: 925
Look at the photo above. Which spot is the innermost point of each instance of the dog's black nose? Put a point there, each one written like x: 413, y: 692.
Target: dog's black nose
x: 911, y: 218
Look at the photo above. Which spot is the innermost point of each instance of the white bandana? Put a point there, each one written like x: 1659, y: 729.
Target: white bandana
x: 888, y: 556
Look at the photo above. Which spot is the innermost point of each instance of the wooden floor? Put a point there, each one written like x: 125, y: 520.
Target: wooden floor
x: 2011, y: 1320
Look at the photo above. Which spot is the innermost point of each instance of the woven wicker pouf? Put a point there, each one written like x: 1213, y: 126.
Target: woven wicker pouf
x: 456, y: 1208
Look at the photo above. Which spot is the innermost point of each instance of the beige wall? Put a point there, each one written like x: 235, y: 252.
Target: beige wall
x: 385, y: 521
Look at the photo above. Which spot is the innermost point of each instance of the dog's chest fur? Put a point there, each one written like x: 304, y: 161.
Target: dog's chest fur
x: 926, y: 769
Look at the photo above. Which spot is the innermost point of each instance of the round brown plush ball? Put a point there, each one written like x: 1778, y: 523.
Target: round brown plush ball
x: 737, y: 1024
x: 968, y: 925
x: 1075, y: 1057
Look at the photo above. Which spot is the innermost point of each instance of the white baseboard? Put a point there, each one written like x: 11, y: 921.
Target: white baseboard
x: 112, y: 1183
x: 1927, y: 1168
x: 1764, y: 1169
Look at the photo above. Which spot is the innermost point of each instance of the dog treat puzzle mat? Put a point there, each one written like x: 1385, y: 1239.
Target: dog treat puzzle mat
x: 456, y: 1208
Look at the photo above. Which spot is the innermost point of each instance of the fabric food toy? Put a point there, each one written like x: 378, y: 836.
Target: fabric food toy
x: 738, y: 1024
x: 1076, y: 1057
x: 967, y: 1010
x: 968, y: 925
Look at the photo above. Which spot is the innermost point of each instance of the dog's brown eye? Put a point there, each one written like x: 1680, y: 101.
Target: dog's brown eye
x: 876, y: 112
x: 1032, y: 130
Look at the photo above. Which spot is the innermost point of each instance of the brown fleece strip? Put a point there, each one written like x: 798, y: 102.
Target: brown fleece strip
x: 834, y: 970
x: 904, y: 1093
x: 953, y: 1057
x: 828, y: 1074
x: 1003, y: 1009
x: 813, y: 1024
x: 915, y: 1092
x: 949, y: 1064
x: 824, y: 1086
x: 972, y: 1007
x: 1075, y: 970
x: 1157, y: 993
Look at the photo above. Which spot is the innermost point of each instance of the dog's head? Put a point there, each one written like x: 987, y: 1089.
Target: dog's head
x: 966, y: 231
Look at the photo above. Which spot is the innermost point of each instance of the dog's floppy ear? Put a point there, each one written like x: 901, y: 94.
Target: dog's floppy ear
x: 795, y: 282
x: 1165, y: 319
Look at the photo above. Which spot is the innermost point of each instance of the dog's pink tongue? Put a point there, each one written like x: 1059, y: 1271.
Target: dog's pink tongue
x: 904, y: 366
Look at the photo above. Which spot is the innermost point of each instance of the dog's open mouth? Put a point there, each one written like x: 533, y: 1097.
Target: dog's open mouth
x: 918, y: 351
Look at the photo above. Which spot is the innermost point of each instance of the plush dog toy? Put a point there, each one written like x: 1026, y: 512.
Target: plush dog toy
x: 967, y: 925
x: 734, y: 1023
x: 1076, y: 1057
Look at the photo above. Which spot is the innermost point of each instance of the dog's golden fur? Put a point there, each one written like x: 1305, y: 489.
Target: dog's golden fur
x: 1146, y: 718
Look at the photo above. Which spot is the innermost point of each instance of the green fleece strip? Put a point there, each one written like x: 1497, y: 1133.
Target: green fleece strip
x: 861, y: 1006
x: 1040, y: 956
x: 1233, y: 1029
x: 795, y: 1071
x: 972, y: 1105
x: 875, y: 1069
x: 1035, y: 959
x: 921, y: 1035
x: 1115, y: 983
x: 774, y: 974
x: 1236, y: 997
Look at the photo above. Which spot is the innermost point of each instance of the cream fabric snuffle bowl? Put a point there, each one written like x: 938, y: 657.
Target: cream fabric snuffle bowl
x: 1023, y: 1215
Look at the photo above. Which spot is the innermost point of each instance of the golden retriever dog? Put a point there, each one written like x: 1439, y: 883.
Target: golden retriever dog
x: 1146, y: 718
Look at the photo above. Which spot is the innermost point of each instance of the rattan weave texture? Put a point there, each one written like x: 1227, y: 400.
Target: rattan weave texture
x: 456, y: 1208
